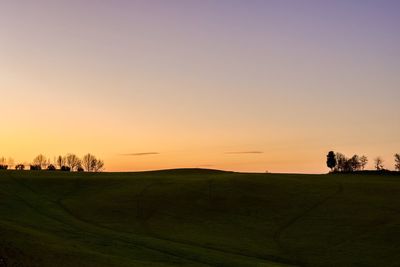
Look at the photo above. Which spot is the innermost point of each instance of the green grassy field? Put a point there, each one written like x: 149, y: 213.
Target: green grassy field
x: 198, y: 218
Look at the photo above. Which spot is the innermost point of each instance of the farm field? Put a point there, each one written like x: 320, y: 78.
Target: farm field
x: 197, y: 217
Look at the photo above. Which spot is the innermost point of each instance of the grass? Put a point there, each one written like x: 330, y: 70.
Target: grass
x: 198, y: 218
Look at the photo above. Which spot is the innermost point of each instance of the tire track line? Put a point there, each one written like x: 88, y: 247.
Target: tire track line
x: 187, y: 244
x: 277, y: 237
x: 94, y: 235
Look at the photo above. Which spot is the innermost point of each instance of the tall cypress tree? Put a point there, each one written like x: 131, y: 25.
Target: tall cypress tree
x: 331, y: 160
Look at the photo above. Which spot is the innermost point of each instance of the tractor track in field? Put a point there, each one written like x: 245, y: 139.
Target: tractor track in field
x: 277, y: 236
x: 272, y: 259
x: 131, y: 240
x: 79, y: 229
x: 141, y: 195
x: 28, y: 204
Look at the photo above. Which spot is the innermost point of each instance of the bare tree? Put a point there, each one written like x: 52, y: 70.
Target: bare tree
x: 73, y: 161
x: 98, y: 165
x: 87, y: 162
x: 378, y: 163
x: 341, y: 162
x: 363, y: 161
x: 397, y: 162
x: 41, y: 161
x: 355, y: 164
x: 91, y: 164
x: 60, y: 162
x: 79, y: 168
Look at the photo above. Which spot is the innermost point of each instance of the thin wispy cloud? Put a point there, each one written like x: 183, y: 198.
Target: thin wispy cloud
x: 244, y: 152
x: 140, y: 154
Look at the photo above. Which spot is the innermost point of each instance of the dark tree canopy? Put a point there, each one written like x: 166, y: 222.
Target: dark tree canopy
x: 20, y: 167
x: 331, y: 160
x: 35, y: 167
x: 65, y: 169
x: 3, y: 167
x: 51, y: 167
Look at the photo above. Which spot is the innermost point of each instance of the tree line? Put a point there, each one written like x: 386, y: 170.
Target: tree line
x: 69, y: 162
x: 338, y: 162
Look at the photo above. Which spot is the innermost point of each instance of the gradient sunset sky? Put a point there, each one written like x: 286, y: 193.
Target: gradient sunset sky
x: 239, y: 85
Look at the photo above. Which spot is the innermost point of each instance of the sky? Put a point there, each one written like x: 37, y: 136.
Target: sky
x: 237, y: 85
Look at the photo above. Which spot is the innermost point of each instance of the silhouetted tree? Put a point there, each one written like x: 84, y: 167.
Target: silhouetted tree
x: 363, y: 161
x: 355, y: 163
x: 41, y: 161
x: 3, y: 163
x: 345, y: 164
x: 91, y: 164
x: 20, y: 167
x: 60, y: 161
x: 341, y: 162
x: 87, y: 162
x: 331, y: 160
x: 72, y: 161
x: 51, y: 167
x: 65, y: 169
x: 397, y: 162
x: 98, y: 165
x: 35, y: 167
x: 378, y: 164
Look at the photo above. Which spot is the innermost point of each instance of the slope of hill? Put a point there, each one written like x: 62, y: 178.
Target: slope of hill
x: 198, y: 218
